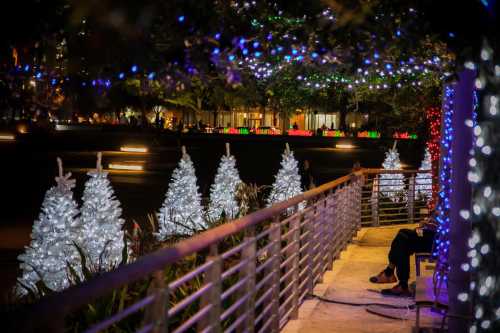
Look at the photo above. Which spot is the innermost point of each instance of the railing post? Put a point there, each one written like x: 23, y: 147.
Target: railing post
x: 213, y: 295
x: 157, y: 312
x: 375, y: 201
x: 249, y: 254
x: 309, y: 225
x: 411, y: 199
x: 275, y: 238
x: 295, y: 225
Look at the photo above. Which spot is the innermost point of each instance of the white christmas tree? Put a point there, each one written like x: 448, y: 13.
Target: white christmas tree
x: 181, y: 213
x: 392, y: 185
x: 52, y: 248
x: 102, y: 226
x: 223, y: 190
x: 423, y: 181
x: 287, y: 182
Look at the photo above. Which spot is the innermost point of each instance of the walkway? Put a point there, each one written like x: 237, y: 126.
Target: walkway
x: 348, y: 281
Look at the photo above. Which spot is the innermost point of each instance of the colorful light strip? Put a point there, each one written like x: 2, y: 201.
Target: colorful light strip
x: 404, y: 136
x: 334, y: 134
x: 369, y: 134
x: 299, y: 133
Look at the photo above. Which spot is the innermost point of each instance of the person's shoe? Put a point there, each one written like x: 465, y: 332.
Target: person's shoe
x: 383, y: 278
x: 397, y: 291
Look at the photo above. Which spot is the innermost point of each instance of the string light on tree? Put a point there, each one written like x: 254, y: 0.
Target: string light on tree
x: 181, y: 213
x: 102, y: 233
x: 392, y: 185
x: 423, y: 181
x: 223, y: 190
x: 51, y: 249
x: 287, y: 182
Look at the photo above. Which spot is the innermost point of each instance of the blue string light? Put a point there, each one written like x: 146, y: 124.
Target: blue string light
x: 442, y: 243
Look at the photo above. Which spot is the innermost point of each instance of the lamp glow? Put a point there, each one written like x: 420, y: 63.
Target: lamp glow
x: 7, y: 137
x: 127, y: 167
x: 344, y: 146
x: 134, y: 149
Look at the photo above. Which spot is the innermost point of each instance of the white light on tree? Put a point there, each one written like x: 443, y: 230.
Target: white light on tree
x: 51, y: 249
x: 181, y: 213
x: 423, y: 181
x: 392, y: 184
x: 102, y: 236
x: 223, y: 190
x: 287, y: 181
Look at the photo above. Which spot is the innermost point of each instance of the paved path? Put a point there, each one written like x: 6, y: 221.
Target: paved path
x: 348, y: 281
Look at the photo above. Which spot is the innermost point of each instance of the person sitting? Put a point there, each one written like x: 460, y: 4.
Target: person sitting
x: 406, y: 243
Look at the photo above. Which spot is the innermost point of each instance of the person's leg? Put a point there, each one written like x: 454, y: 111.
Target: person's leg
x: 399, y: 255
x: 399, y: 245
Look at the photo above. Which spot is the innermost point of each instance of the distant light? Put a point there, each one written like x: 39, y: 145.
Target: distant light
x: 376, y: 55
x: 38, y: 75
x: 181, y: 18
x: 134, y: 149
x: 53, y: 82
x: 7, y: 137
x: 344, y: 146
x: 134, y: 68
x: 216, y: 51
x: 314, y: 55
x: 398, y: 32
x: 217, y: 36
x: 245, y: 51
x: 26, y: 68
x: 121, y: 76
x: 231, y: 57
x: 93, y: 83
x: 129, y: 167
x: 242, y: 41
x: 294, y: 51
x: 151, y: 76
x: 256, y: 44
x: 367, y: 61
x: 258, y: 54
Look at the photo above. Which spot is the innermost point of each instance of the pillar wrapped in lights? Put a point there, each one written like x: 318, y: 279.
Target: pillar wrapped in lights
x: 484, y: 243
x: 433, y: 115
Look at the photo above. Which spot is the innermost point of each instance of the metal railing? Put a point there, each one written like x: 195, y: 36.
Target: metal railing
x: 250, y: 275
x: 394, y: 196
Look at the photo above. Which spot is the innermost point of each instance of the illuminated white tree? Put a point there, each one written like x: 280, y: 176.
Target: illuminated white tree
x: 423, y: 181
x: 392, y: 185
x: 52, y: 248
x: 287, y: 181
x: 181, y: 213
x: 102, y: 236
x: 223, y: 190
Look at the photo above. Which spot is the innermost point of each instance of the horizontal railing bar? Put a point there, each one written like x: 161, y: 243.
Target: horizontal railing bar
x: 236, y: 323
x: 263, y: 297
x: 304, y: 235
x: 189, y: 299
x: 264, y: 312
x: 287, y: 274
x: 288, y: 233
x: 264, y: 280
x: 287, y: 261
x: 186, y: 277
x: 285, y: 303
x: 263, y: 234
x: 146, y: 328
x: 233, y: 307
x: 303, y: 259
x: 287, y: 247
x: 233, y: 288
x: 233, y: 269
x: 120, y: 315
x: 207, y: 329
x: 264, y: 327
x: 288, y: 220
x: 265, y: 264
x: 286, y: 289
x: 193, y: 319
x: 234, y: 250
x: 264, y: 249
x: 284, y: 318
